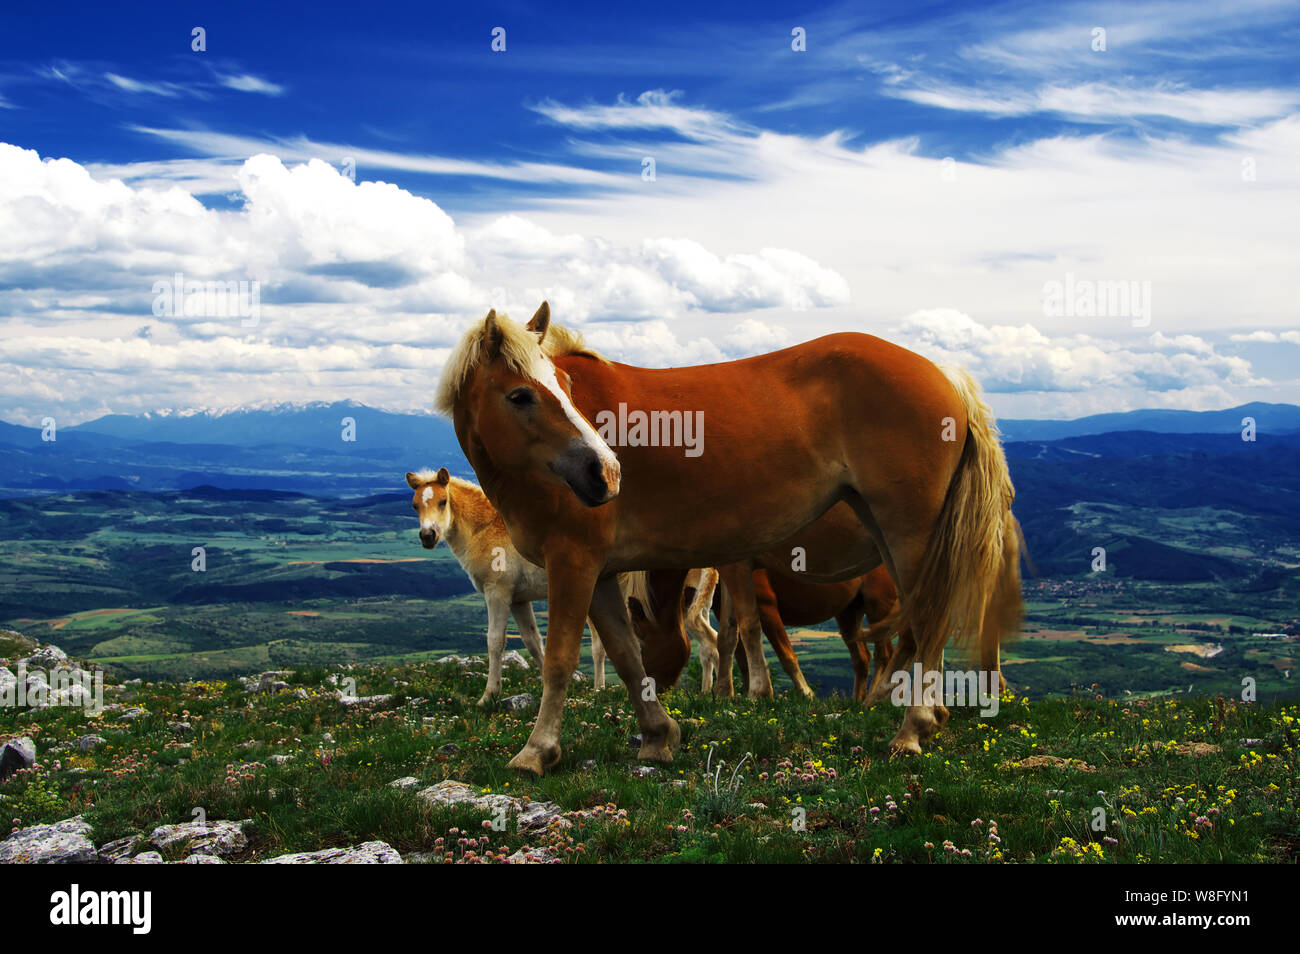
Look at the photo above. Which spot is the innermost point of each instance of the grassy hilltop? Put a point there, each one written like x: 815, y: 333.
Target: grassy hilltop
x: 1178, y: 781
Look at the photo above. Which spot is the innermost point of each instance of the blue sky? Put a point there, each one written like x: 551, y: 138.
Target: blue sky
x: 925, y: 174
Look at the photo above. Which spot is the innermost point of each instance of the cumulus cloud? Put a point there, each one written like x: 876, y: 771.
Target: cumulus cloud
x: 350, y: 276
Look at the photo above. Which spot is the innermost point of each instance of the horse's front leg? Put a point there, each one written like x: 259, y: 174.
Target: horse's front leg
x: 569, y: 588
x: 498, y: 614
x: 659, y: 733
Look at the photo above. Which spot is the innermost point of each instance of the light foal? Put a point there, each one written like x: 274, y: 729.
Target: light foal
x: 848, y: 417
x: 455, y: 510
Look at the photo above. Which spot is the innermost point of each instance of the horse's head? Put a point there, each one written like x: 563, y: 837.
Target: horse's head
x: 512, y: 404
x: 432, y: 502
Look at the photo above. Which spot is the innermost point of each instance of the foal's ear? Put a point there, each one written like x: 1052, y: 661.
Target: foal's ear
x: 443, y: 477
x: 492, y: 331
x: 413, y: 480
x: 541, y: 321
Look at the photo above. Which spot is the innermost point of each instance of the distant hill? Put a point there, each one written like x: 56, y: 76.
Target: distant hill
x: 1274, y: 418
x: 303, y: 425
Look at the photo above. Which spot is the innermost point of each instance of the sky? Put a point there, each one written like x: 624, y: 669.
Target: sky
x: 1092, y: 207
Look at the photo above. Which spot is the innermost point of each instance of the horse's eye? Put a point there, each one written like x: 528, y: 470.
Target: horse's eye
x: 522, y: 397
x: 442, y: 505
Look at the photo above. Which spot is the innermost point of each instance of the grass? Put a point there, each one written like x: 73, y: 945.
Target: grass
x: 800, y: 780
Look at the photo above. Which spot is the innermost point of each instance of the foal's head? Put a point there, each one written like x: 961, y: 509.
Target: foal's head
x: 508, y: 398
x: 432, y: 502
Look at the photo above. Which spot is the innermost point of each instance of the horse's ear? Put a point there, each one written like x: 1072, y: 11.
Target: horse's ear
x: 443, y: 477
x: 413, y: 480
x: 541, y: 321
x: 492, y: 331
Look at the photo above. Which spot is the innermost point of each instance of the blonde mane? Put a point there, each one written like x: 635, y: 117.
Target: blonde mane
x: 519, y: 349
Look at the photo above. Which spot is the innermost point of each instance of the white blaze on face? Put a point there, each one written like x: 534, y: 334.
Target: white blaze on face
x: 426, y: 521
x: 543, y: 372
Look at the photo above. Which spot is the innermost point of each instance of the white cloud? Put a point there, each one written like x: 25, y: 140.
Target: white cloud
x: 248, y: 83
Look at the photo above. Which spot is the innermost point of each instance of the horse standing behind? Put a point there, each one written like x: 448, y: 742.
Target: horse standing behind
x: 459, y: 512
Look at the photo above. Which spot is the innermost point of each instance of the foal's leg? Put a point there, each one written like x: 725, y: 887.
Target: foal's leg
x: 569, y: 588
x: 498, y: 615
x: 527, y: 623
x: 727, y: 634
x: 597, y: 657
x: 774, y: 629
x: 738, y: 578
x: 850, y: 623
x: 659, y: 733
x: 697, y: 624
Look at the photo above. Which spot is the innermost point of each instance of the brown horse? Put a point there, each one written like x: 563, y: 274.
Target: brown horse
x: 784, y: 601
x: 813, y: 554
x: 848, y: 417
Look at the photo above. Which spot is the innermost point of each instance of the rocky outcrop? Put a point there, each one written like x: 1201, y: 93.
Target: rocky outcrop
x: 64, y: 842
x: 218, y: 838
x: 531, y: 815
x: 369, y: 853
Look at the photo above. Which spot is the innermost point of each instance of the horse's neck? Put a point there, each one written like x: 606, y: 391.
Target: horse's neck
x: 472, y: 517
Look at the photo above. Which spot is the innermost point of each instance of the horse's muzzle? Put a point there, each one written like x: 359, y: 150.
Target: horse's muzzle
x: 429, y: 537
x: 593, y: 480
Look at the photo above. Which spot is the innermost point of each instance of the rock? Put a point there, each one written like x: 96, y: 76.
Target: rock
x: 587, y: 765
x: 202, y: 838
x: 181, y: 729
x: 365, y: 700
x: 279, y: 759
x: 300, y: 693
x: 130, y: 715
x: 74, y: 695
x: 1197, y: 748
x: 531, y: 815
x: 8, y: 681
x: 64, y: 842
x: 119, y: 850
x: 408, y: 782
x: 202, y: 860
x: 644, y: 771
x: 520, y: 703
x: 17, y: 754
x: 534, y: 856
x: 579, y: 677
x: 464, y: 662
x: 513, y: 658
x: 370, y: 853
x: 451, y: 748
x: 88, y: 742
x: 143, y: 858
x: 47, y: 657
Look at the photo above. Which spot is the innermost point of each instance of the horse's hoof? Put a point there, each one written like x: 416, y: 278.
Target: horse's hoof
x: 530, y: 759
x: 904, y: 745
x: 941, y: 714
x: 486, y: 701
x: 661, y: 750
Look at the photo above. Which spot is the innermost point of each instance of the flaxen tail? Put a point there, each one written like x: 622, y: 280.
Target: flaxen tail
x: 965, y: 568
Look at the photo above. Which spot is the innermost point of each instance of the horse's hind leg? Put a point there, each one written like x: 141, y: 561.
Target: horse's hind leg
x: 769, y: 615
x: 659, y: 733
x: 738, y: 578
x: 849, y: 621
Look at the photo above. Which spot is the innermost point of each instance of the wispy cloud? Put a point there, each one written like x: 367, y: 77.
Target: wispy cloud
x: 248, y: 83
